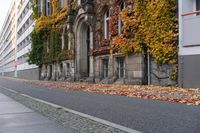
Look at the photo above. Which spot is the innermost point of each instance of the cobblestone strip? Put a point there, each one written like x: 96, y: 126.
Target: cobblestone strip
x: 78, y: 122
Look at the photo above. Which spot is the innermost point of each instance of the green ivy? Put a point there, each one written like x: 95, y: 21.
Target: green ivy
x: 65, y: 55
x: 35, y: 8
x: 49, y: 37
x: 54, y: 46
x: 35, y: 55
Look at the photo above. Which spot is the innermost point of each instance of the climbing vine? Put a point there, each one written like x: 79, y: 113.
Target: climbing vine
x: 36, y: 53
x: 113, y: 24
x: 47, y: 38
x: 129, y: 41
x: 49, y: 21
x: 152, y: 24
x: 74, y: 4
x: 146, y: 23
x: 36, y: 14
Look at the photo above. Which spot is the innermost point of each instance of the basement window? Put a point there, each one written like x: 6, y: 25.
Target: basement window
x: 121, y: 67
x: 105, y: 68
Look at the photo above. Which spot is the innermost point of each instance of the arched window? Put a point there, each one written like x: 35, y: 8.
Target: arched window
x: 121, y: 7
x: 106, y: 24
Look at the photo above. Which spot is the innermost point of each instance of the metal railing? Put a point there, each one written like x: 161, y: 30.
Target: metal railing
x: 190, y: 13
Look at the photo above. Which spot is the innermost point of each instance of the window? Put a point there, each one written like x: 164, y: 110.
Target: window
x: 105, y: 68
x: 48, y: 7
x: 198, y: 6
x: 106, y: 24
x: 120, y: 67
x: 121, y: 7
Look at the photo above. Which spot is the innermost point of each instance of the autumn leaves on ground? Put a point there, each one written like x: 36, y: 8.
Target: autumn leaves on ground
x: 171, y: 94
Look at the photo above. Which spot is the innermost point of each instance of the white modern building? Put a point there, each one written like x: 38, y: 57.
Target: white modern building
x: 15, y: 42
x: 25, y: 25
x: 189, y: 43
x: 8, y: 66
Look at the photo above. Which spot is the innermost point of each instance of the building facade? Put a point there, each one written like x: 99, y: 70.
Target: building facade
x: 189, y: 43
x: 16, y: 43
x: 76, y: 44
x: 25, y: 25
x: 88, y: 28
x: 8, y: 43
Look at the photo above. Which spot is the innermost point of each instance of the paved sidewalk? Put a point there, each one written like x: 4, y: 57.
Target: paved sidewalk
x: 16, y: 118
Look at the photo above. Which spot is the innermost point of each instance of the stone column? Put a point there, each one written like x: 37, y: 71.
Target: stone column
x: 69, y: 40
x: 111, y: 66
x: 53, y: 72
x: 48, y: 72
x: 91, y: 56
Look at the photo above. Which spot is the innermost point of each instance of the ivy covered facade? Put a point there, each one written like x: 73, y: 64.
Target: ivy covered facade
x: 91, y: 40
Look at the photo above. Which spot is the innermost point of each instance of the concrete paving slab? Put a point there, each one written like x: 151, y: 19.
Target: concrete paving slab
x: 41, y: 128
x: 16, y: 118
x: 8, y: 106
x: 4, y: 98
x: 13, y: 107
x: 22, y: 119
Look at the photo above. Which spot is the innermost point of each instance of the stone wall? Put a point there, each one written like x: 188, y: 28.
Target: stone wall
x: 133, y: 69
x: 160, y: 74
x: 31, y: 74
x: 134, y: 65
x: 63, y: 71
x: 9, y: 74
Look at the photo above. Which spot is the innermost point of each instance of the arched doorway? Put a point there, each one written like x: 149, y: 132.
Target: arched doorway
x: 83, y: 49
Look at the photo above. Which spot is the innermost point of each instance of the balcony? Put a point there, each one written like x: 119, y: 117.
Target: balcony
x: 191, y: 28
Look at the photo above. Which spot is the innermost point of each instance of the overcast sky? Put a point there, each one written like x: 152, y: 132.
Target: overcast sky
x: 4, y: 7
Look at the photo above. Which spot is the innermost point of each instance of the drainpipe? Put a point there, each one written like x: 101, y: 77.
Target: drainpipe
x: 149, y: 67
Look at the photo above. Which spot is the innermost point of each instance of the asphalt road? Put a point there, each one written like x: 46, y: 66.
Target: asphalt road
x: 148, y: 116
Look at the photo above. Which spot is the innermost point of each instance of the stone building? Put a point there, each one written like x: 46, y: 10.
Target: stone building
x: 93, y: 60
x: 87, y: 27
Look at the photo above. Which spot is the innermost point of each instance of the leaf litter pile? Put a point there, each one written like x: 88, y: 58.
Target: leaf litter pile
x: 188, y: 96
